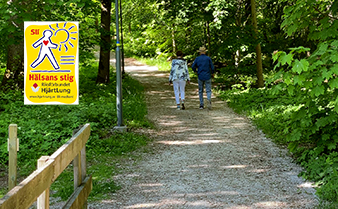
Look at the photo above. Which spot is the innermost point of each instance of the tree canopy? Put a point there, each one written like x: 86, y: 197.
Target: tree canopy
x: 158, y: 28
x: 298, y: 42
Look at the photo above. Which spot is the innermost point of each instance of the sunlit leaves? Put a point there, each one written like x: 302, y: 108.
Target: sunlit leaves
x: 286, y: 58
x: 299, y: 66
x: 318, y: 90
x: 334, y: 69
x: 282, y: 58
x: 298, y: 79
x: 326, y: 74
x: 334, y: 57
x: 333, y: 83
x: 291, y: 89
x: 314, y: 15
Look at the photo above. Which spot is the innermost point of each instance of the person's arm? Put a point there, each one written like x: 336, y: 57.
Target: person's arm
x: 194, y: 65
x: 171, y: 72
x: 187, y: 72
x: 37, y: 43
x: 54, y: 46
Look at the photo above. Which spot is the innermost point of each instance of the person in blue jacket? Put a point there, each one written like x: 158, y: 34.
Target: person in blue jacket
x: 205, y: 72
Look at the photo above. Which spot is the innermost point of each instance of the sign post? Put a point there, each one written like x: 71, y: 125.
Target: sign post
x: 51, y: 63
x: 120, y: 126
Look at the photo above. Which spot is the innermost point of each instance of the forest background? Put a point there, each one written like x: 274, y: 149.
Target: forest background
x: 280, y: 71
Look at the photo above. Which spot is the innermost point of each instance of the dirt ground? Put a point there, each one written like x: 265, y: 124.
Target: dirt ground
x: 204, y: 159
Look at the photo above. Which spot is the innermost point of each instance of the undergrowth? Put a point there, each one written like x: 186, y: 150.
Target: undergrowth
x: 42, y: 129
x: 308, y: 129
x: 161, y: 63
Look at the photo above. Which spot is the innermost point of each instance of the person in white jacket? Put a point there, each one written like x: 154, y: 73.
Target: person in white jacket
x: 179, y: 75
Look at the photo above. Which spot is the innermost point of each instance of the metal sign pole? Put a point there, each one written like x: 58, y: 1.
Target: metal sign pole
x: 120, y: 126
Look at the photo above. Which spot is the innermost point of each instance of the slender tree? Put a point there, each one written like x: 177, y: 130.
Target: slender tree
x: 104, y: 62
x: 260, y: 82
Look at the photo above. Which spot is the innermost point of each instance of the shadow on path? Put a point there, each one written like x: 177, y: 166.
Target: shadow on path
x: 206, y: 159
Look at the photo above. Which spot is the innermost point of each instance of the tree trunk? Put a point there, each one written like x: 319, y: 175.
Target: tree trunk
x: 239, y: 25
x: 260, y: 82
x: 173, y: 39
x: 104, y: 62
x: 208, y: 37
x: 14, y: 75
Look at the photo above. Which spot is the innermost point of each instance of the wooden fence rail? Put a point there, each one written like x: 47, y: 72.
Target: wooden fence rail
x: 36, y: 186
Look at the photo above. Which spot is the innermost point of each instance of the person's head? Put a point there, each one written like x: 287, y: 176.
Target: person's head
x: 179, y: 54
x: 202, y: 50
x: 47, y: 33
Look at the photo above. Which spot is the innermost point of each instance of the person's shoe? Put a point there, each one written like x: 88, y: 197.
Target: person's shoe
x: 183, y: 108
x: 201, y: 107
x: 178, y: 107
x: 209, y: 104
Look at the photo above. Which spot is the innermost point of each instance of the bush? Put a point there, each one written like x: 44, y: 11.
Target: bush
x: 308, y: 129
x: 44, y: 128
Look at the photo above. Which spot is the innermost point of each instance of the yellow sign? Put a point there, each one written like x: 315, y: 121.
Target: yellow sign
x: 51, y: 63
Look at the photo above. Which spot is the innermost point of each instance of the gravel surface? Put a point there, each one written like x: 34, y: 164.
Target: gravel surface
x: 204, y: 159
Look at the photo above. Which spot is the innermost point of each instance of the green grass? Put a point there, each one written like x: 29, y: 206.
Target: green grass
x: 3, y: 191
x: 284, y: 119
x: 164, y: 65
x: 161, y: 63
x: 42, y: 129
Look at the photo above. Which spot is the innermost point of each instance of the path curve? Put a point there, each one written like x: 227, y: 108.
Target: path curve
x: 205, y: 159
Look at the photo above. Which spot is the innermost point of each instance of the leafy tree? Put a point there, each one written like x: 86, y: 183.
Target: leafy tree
x: 15, y: 12
x: 310, y: 74
x: 13, y: 39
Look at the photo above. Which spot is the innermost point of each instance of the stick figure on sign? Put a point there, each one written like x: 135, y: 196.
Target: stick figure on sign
x: 45, y: 50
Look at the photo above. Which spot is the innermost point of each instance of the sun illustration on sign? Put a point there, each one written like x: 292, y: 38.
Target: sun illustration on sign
x: 66, y: 35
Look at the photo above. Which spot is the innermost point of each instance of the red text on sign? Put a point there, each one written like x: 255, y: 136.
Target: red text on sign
x: 35, y: 31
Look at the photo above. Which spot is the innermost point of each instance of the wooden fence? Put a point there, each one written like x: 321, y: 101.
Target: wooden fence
x: 36, y: 186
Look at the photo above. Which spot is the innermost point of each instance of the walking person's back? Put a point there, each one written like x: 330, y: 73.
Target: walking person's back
x: 205, y: 71
x: 179, y: 75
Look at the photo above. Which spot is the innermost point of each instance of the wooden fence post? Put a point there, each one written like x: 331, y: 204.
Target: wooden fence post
x: 13, y: 147
x: 77, y: 171
x: 43, y: 199
x: 79, y: 168
x: 83, y: 169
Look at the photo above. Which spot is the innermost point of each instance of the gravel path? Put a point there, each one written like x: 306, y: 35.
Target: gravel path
x: 205, y: 159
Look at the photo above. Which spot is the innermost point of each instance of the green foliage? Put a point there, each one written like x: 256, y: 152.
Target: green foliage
x: 161, y: 63
x: 44, y: 128
x: 102, y: 183
x: 271, y: 112
x: 312, y: 132
x: 315, y: 78
x: 16, y: 12
x: 101, y: 156
x: 158, y: 28
x: 3, y: 191
x: 118, y: 144
x: 300, y: 111
x: 311, y: 19
x: 286, y: 119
